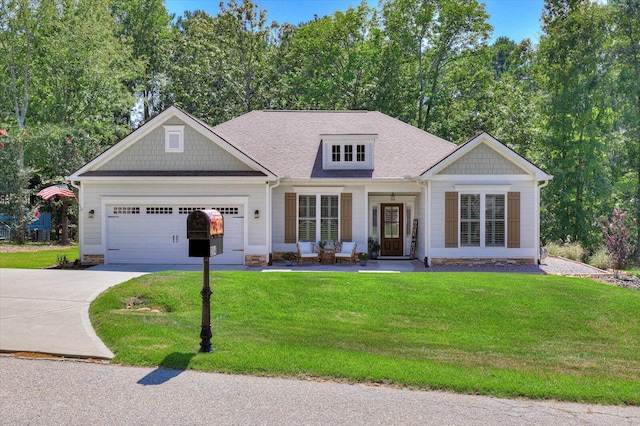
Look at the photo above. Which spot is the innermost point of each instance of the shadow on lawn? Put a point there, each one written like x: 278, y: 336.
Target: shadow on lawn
x: 172, y: 366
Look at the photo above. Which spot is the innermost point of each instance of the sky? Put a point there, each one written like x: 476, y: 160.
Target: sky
x: 516, y: 19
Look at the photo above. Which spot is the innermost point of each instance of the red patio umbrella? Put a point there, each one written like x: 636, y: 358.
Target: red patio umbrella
x: 60, y: 190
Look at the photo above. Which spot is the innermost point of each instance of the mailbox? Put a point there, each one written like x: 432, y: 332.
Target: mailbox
x: 205, y: 230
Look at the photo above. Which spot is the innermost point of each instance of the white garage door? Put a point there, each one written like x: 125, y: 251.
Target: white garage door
x: 158, y: 234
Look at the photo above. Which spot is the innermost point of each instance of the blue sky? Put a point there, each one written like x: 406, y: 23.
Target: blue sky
x: 516, y: 19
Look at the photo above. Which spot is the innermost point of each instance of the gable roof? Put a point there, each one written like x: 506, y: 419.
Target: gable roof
x: 91, y: 169
x: 496, y: 145
x: 289, y: 143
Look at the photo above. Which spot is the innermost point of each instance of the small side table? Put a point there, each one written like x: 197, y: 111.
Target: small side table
x: 328, y: 257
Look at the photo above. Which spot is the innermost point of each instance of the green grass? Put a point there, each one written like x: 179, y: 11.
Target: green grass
x: 36, y: 259
x: 495, y: 334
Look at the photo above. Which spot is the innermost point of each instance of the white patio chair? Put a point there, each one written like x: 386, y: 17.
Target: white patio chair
x: 346, y: 251
x: 307, y: 251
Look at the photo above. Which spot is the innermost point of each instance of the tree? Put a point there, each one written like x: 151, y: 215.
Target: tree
x: 626, y: 48
x: 14, y: 183
x: 432, y: 35
x: 335, y: 60
x: 243, y: 36
x: 19, y: 38
x: 578, y: 115
x: 196, y: 74
x: 84, y: 68
x: 64, y: 70
x: 146, y: 26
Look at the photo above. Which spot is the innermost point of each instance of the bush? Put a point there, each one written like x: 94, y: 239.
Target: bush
x: 62, y: 260
x: 573, y: 251
x: 617, y: 238
x: 601, y: 259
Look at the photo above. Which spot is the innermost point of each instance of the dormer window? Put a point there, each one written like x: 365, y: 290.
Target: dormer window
x: 173, y: 138
x: 343, y: 152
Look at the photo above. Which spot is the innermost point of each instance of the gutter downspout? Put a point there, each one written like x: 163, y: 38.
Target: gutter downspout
x: 539, y: 187
x: 269, y: 224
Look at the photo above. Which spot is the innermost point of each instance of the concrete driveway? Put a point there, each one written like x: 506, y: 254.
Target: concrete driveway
x: 48, y: 310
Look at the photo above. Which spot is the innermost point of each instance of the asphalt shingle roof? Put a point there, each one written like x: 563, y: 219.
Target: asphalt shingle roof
x: 288, y: 143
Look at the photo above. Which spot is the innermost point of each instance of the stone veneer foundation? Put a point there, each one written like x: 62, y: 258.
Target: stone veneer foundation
x: 255, y: 260
x: 481, y: 262
x: 92, y: 259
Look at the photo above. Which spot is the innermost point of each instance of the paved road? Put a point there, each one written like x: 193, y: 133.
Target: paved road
x: 39, y: 392
x: 48, y: 310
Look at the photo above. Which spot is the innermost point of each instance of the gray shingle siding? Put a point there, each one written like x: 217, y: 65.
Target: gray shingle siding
x: 482, y: 160
x: 200, y: 153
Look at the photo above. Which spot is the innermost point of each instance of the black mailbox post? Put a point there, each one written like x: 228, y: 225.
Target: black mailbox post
x: 205, y: 230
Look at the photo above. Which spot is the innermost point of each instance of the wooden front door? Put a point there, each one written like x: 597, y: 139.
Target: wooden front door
x: 392, y: 240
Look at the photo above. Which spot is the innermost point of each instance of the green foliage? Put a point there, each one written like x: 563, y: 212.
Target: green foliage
x: 430, y: 40
x: 529, y: 336
x: 569, y: 250
x: 289, y: 256
x: 147, y: 27
x: 600, y: 259
x: 14, y: 182
x: 373, y: 245
x: 62, y: 260
x: 573, y: 71
x: 625, y: 46
x: 333, y: 61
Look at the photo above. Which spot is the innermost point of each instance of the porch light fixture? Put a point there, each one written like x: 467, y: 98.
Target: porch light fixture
x: 393, y: 196
x: 256, y: 214
x: 91, y: 213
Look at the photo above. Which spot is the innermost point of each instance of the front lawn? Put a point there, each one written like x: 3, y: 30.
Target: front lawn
x: 506, y: 335
x: 37, y: 259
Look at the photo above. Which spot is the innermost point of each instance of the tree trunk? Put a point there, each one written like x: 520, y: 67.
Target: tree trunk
x: 64, y: 240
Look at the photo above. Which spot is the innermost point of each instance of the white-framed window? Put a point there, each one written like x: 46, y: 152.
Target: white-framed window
x: 318, y: 224
x: 361, y: 153
x: 494, y: 228
x: 348, y: 151
x: 482, y: 220
x: 174, y: 138
x: 335, y: 153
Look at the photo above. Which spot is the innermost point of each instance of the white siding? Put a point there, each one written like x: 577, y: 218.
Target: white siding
x: 97, y: 195
x: 359, y: 215
x: 527, y: 189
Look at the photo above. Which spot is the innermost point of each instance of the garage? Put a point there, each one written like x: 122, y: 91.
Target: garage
x: 156, y: 234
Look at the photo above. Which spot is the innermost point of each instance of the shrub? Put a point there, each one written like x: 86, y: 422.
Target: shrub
x: 617, y: 238
x: 62, y: 260
x: 289, y: 255
x: 573, y: 251
x: 601, y: 259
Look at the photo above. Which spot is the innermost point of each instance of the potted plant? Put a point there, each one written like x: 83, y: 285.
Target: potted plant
x: 288, y: 258
x: 374, y: 248
x: 363, y: 259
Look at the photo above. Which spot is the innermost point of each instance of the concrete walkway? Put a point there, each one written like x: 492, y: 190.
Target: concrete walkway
x: 373, y: 266
x: 47, y: 311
